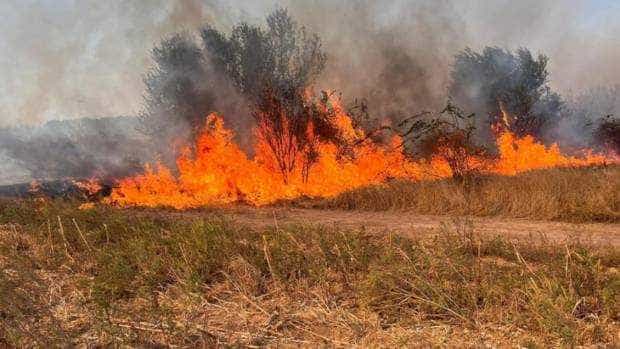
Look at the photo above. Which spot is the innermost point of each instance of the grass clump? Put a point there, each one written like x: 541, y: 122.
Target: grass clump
x: 569, y: 194
x: 122, y: 278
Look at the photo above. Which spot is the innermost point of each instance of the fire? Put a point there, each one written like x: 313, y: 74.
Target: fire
x: 86, y: 206
x: 218, y: 172
x: 505, y: 115
x: 525, y: 154
x: 90, y: 186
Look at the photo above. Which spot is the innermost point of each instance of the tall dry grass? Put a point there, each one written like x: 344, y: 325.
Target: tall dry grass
x: 107, y: 277
x: 570, y: 194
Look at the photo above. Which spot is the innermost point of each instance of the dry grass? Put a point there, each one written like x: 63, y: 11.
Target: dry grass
x: 576, y: 195
x: 106, y: 277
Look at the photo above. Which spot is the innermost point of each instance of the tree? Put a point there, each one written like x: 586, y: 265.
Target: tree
x: 274, y: 67
x: 607, y: 134
x: 498, y: 82
x: 271, y: 69
x: 283, y: 59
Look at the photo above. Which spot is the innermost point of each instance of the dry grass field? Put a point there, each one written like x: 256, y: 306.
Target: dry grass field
x: 309, y: 174
x: 568, y: 194
x: 156, y: 278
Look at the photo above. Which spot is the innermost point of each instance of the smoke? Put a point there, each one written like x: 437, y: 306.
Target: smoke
x: 78, y: 59
x: 584, y: 113
x: 104, y: 148
x: 66, y: 59
x: 396, y: 55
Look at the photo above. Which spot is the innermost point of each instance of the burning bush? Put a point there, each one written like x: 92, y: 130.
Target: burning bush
x: 271, y: 69
x: 294, y: 140
x: 274, y: 68
x: 450, y: 135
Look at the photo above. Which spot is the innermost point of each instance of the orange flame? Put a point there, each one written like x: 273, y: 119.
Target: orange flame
x: 525, y: 154
x: 90, y: 186
x: 218, y: 172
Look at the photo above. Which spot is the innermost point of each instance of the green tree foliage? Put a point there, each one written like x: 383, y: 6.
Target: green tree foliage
x: 515, y: 82
x: 607, y: 134
x: 283, y: 58
x: 274, y: 68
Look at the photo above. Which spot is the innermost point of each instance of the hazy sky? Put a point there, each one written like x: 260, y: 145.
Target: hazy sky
x: 74, y: 58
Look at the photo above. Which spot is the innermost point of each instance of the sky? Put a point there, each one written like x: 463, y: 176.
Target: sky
x: 62, y: 59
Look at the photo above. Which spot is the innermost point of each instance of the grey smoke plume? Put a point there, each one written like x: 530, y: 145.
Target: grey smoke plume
x: 584, y: 113
x: 102, y: 148
x: 66, y: 59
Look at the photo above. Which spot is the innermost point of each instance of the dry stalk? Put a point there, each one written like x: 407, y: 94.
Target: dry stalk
x: 64, y: 239
x: 107, y: 234
x: 49, y: 236
x: 268, y: 259
x: 82, y: 235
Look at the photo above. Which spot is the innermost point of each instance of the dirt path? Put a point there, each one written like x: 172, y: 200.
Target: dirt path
x: 416, y: 225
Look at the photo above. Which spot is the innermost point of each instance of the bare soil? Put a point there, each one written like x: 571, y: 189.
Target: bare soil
x: 409, y: 224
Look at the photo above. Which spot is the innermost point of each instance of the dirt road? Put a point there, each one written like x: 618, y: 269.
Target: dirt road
x: 417, y: 225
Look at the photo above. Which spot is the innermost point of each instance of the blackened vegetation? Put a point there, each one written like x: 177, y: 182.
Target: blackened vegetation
x: 66, y: 189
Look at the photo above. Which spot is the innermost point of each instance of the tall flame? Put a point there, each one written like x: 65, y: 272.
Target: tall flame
x: 218, y: 172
